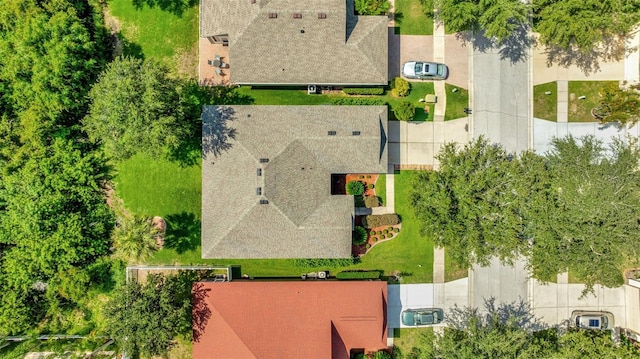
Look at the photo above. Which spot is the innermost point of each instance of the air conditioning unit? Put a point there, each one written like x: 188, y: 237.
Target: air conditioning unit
x: 322, y: 275
x: 312, y: 89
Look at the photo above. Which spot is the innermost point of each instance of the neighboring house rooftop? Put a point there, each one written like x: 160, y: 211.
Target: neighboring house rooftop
x: 267, y: 193
x: 298, y: 42
x: 289, y: 319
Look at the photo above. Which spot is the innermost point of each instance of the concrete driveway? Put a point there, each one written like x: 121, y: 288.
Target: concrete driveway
x: 440, y: 295
x: 504, y: 283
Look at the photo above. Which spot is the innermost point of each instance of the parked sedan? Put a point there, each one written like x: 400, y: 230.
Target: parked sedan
x: 592, y: 320
x: 425, y: 70
x: 423, y: 316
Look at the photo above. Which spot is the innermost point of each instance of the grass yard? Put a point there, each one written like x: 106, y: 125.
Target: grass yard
x: 545, y: 106
x: 410, y: 19
x: 155, y: 187
x: 580, y: 110
x: 381, y: 188
x: 295, y: 96
x: 452, y: 270
x: 410, y: 252
x: 405, y: 339
x: 456, y: 102
x: 170, y: 36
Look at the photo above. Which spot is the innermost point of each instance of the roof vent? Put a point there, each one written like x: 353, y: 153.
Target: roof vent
x: 322, y: 15
x: 273, y: 15
x: 264, y: 201
x: 264, y: 160
x: 297, y: 15
x: 355, y: 133
x: 331, y: 133
x: 259, y: 191
x: 259, y: 172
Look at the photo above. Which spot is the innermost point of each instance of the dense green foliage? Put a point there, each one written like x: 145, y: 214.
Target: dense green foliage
x: 359, y: 274
x: 404, y: 111
x: 377, y: 220
x: 54, y: 221
x: 134, y: 239
x: 355, y: 188
x: 145, y: 318
x: 363, y: 101
x: 135, y: 108
x: 581, y: 24
x: 510, y: 331
x: 618, y: 105
x: 372, y: 7
x: 576, y: 208
x: 400, y: 87
x: 324, y: 262
x: 363, y: 90
x: 359, y: 235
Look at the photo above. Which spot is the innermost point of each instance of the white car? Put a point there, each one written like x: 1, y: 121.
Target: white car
x: 425, y: 70
x: 592, y: 320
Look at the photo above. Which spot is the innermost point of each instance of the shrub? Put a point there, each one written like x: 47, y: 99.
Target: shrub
x: 368, y: 246
x: 390, y: 229
x: 323, y: 262
x: 348, y: 101
x: 371, y: 201
x: 372, y: 7
x: 370, y: 186
x: 359, y: 235
x: 377, y: 220
x: 368, y: 176
x: 361, y: 176
x: 381, y: 355
x: 401, y: 87
x: 397, y: 230
x: 374, y: 239
x: 404, y: 111
x: 355, y: 188
x: 359, y: 274
x: 363, y: 91
x: 385, y: 231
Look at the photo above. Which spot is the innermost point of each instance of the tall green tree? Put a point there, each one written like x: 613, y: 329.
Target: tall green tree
x: 618, y: 105
x: 146, y: 318
x: 136, y: 107
x: 583, y: 24
x: 469, y: 205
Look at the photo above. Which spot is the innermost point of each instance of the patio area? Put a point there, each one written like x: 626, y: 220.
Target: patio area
x: 209, y: 75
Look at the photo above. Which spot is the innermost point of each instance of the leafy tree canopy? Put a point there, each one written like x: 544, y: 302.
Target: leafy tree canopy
x: 576, y: 208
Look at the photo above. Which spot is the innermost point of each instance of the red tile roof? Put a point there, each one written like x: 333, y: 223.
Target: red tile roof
x: 294, y: 319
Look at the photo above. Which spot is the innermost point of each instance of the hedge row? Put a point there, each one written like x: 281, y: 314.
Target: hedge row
x: 323, y: 262
x: 357, y: 101
x: 363, y: 91
x: 370, y: 274
x: 371, y: 201
x: 373, y: 220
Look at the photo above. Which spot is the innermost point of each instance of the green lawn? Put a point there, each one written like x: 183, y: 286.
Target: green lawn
x: 160, y: 34
x: 296, y: 96
x: 381, y: 188
x: 405, y: 339
x: 456, y: 102
x: 410, y: 20
x: 452, y: 270
x: 545, y: 106
x: 409, y: 252
x: 156, y: 187
x: 580, y: 110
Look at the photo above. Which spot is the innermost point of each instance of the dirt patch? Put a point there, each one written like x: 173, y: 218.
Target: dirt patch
x: 573, y: 108
x: 111, y: 22
x: 186, y: 62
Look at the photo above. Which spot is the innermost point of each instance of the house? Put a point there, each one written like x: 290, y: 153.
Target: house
x: 288, y: 319
x: 266, y: 187
x: 297, y: 42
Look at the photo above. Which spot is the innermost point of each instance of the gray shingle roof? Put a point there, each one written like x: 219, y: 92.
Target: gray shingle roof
x: 302, y: 219
x: 306, y: 50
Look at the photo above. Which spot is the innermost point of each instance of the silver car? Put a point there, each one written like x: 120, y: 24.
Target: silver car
x: 592, y: 320
x: 425, y: 70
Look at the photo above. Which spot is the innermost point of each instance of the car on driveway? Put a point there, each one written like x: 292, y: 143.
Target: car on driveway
x: 425, y: 70
x: 422, y: 316
x: 592, y: 319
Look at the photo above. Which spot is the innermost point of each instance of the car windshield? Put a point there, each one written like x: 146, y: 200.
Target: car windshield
x: 419, y: 67
x: 440, y: 70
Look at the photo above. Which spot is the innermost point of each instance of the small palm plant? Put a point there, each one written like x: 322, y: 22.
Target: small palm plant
x: 134, y: 238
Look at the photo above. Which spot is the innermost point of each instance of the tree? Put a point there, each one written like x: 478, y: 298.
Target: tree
x: 470, y: 205
x: 136, y: 107
x: 576, y: 344
x: 134, y: 238
x: 404, y: 111
x: 618, y: 105
x: 583, y: 25
x: 146, y: 318
x: 372, y: 7
x: 498, y: 19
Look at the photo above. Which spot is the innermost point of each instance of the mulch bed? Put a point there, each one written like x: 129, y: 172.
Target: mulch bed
x: 360, y: 250
x: 367, y: 179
